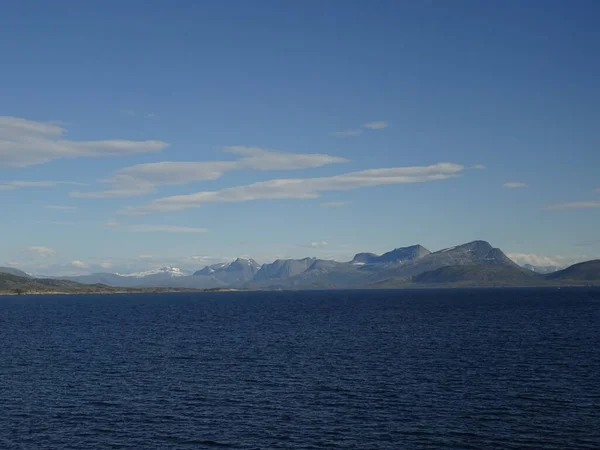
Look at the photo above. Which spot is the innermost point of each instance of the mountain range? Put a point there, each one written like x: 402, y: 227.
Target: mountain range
x: 475, y: 263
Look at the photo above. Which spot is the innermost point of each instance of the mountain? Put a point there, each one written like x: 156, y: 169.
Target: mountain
x: 469, y: 254
x: 398, y: 267
x: 161, y: 277
x: 541, y: 269
x: 364, y: 258
x: 398, y: 255
x: 585, y: 271
x: 166, y: 271
x: 17, y: 284
x: 238, y: 271
x: 475, y: 263
x: 12, y: 284
x: 16, y: 272
x: 481, y: 274
x: 283, y: 268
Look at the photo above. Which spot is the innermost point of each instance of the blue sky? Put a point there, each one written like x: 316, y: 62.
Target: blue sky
x: 135, y: 134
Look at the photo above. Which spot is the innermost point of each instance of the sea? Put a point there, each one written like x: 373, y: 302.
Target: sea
x: 403, y: 369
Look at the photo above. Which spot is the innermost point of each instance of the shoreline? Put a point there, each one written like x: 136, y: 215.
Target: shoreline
x: 208, y: 291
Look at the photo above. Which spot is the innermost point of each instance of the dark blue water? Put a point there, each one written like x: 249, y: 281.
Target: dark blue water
x: 453, y: 369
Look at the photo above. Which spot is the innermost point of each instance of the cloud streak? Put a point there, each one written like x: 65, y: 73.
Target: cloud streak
x: 318, y: 244
x: 38, y: 250
x: 26, y: 142
x: 335, y: 204
x: 12, y: 185
x: 515, y: 185
x: 574, y: 205
x: 143, y: 179
x: 346, y: 133
x: 302, y: 188
x: 165, y: 229
x: 63, y: 208
x: 376, y: 125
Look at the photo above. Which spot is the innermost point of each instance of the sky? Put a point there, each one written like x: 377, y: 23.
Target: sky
x: 137, y: 134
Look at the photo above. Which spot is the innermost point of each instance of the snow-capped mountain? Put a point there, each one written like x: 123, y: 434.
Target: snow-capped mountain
x: 240, y: 270
x: 166, y: 271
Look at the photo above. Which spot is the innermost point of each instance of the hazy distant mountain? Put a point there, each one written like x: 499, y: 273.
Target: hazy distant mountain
x: 541, y: 269
x: 161, y: 277
x: 13, y: 271
x: 238, y: 271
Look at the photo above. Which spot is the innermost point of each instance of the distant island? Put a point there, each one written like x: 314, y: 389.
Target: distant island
x: 474, y: 264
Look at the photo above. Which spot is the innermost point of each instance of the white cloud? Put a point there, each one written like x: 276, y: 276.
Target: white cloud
x: 575, y: 205
x: 44, y: 252
x: 60, y: 208
x: 376, y: 125
x: 545, y: 260
x: 478, y: 167
x: 318, y: 244
x: 335, y: 204
x: 515, y: 185
x: 165, y: 229
x: 111, y: 223
x: 347, y: 133
x: 26, y: 142
x: 12, y: 185
x: 299, y: 188
x: 142, y: 179
x: 79, y: 264
x: 106, y: 264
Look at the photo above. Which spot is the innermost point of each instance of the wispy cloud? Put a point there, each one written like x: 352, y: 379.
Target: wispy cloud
x: 12, y: 185
x: 515, y: 185
x: 133, y: 113
x: 165, y: 229
x: 38, y: 250
x: 376, y: 125
x: 148, y: 228
x: 303, y: 188
x: 575, y: 205
x: 478, y: 167
x: 335, y: 204
x: 143, y: 179
x: 318, y: 244
x: 346, y: 133
x: 64, y: 208
x: 112, y: 223
x: 26, y: 142
x: 79, y: 264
